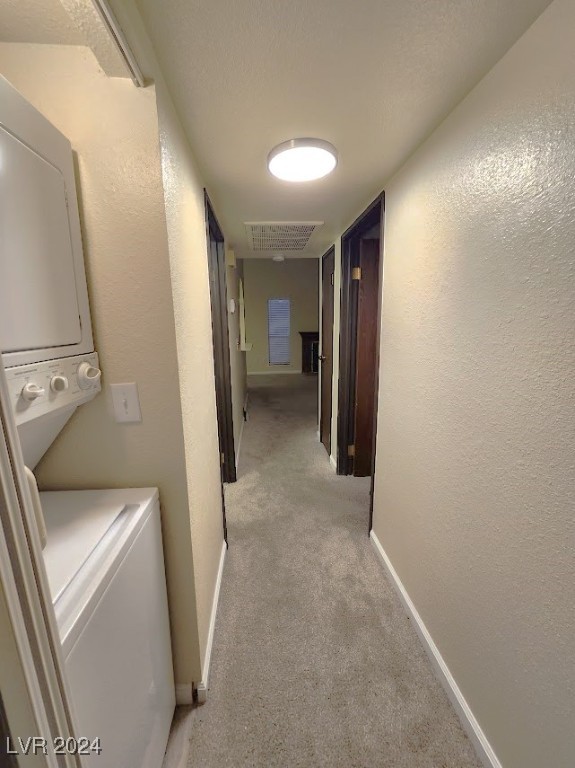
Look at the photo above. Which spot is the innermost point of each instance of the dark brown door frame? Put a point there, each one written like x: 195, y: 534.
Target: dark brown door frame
x: 217, y: 272
x: 330, y: 253
x: 373, y: 215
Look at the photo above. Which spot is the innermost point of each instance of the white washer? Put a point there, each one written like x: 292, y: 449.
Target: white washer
x: 105, y: 568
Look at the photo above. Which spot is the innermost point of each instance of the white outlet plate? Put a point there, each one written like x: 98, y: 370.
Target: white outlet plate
x: 126, y: 403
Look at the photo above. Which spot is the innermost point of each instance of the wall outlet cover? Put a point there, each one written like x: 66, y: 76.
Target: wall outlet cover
x: 126, y: 402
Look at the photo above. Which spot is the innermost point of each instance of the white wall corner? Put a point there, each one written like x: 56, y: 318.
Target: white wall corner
x: 202, y: 693
x: 184, y: 694
x: 202, y: 687
x: 478, y: 738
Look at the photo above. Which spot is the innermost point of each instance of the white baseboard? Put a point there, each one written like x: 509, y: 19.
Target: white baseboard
x: 244, y: 411
x: 333, y: 462
x: 184, y: 694
x: 271, y: 373
x: 202, y: 687
x: 479, y: 740
x: 239, y: 444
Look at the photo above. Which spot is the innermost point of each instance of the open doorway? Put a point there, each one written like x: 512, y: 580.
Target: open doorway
x: 362, y: 264
x: 220, y: 334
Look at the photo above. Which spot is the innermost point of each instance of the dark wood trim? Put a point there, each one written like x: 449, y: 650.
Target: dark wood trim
x: 347, y: 331
x: 330, y: 251
x: 365, y: 220
x: 372, y: 215
x: 217, y: 270
x: 212, y: 219
x: 377, y: 363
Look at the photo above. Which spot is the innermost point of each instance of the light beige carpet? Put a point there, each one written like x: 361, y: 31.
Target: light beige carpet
x: 315, y: 662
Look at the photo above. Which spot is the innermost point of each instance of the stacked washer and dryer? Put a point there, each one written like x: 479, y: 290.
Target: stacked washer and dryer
x: 102, y: 553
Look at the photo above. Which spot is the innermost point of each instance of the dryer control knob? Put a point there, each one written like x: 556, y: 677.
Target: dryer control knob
x: 88, y: 375
x: 58, y: 383
x: 32, y: 391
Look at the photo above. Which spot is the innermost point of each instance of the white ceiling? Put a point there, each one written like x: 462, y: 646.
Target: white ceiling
x: 373, y: 77
x: 37, y: 21
x: 61, y: 22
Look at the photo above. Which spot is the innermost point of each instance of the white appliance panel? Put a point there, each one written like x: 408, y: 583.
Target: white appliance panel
x: 38, y: 300
x: 119, y: 670
x: 71, y: 538
x: 44, y: 309
x: 59, y: 387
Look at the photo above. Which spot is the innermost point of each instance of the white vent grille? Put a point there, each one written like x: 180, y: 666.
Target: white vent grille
x: 280, y: 235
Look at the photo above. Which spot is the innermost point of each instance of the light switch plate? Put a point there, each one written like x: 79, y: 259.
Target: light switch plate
x: 126, y: 402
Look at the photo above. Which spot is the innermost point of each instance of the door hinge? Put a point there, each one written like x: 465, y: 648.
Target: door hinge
x: 332, y: 278
x: 222, y: 458
x: 356, y: 273
x: 351, y: 450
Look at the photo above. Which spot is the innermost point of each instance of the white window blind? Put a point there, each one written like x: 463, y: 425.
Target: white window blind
x: 279, y: 331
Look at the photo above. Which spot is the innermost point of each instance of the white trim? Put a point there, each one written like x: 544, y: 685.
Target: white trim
x: 244, y: 411
x: 333, y: 462
x: 23, y: 581
x: 25, y: 658
x: 478, y: 738
x: 184, y: 694
x: 119, y: 39
x: 240, y: 443
x: 271, y: 373
x: 202, y: 687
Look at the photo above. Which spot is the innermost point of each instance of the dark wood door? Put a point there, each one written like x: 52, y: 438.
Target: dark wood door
x: 367, y: 318
x: 220, y: 337
x: 326, y: 358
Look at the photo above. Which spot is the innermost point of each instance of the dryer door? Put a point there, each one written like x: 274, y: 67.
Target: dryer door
x: 38, y: 298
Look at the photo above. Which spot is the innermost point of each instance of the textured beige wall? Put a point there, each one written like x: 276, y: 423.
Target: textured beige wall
x: 113, y: 127
x: 294, y: 279
x: 237, y: 357
x: 184, y: 194
x: 475, y: 480
x: 188, y: 259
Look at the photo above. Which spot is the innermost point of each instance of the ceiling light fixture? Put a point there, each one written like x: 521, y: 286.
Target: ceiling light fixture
x: 278, y: 257
x: 302, y: 159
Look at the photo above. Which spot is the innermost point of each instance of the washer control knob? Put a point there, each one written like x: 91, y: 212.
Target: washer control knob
x: 58, y: 383
x: 32, y: 391
x: 88, y: 375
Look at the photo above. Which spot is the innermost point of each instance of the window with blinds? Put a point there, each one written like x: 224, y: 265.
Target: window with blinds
x: 279, y: 331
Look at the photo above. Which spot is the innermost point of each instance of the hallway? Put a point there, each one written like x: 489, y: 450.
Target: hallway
x: 315, y: 662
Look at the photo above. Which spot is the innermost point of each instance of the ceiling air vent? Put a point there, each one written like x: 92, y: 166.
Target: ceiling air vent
x: 280, y: 235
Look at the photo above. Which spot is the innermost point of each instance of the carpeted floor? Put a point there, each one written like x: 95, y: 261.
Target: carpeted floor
x: 315, y: 663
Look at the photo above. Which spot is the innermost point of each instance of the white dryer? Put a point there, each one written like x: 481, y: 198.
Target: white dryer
x: 105, y: 569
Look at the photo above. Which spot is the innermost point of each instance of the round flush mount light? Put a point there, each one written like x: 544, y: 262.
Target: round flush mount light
x: 302, y: 159
x: 278, y: 257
